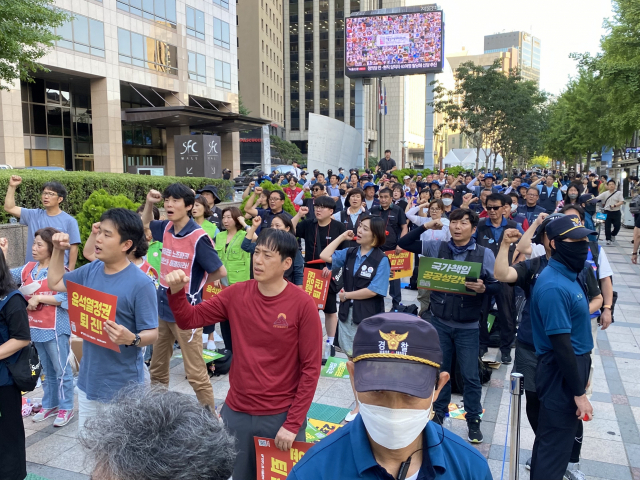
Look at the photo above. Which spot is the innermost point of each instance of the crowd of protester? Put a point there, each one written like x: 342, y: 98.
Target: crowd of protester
x: 532, y: 234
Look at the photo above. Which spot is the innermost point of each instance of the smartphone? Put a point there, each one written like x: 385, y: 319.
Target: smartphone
x: 470, y: 279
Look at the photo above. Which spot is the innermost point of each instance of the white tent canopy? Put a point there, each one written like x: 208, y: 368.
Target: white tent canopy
x: 466, y: 157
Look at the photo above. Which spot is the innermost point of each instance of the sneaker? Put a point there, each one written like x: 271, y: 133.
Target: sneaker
x: 608, y: 242
x: 527, y: 465
x: 64, y: 417
x: 44, y: 413
x: 506, y: 358
x: 475, y: 435
x: 613, y: 239
x: 573, y: 472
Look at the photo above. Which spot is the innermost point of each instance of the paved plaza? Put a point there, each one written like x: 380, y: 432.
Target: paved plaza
x: 611, y: 448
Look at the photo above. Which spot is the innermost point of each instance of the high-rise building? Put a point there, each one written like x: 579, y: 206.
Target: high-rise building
x: 314, y: 75
x: 528, y: 51
x: 261, y: 58
x: 508, y: 59
x: 126, y: 77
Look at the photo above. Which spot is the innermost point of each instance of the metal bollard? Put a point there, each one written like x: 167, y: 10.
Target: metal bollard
x: 516, y: 389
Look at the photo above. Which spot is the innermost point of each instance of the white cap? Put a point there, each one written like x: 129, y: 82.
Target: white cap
x: 406, y: 176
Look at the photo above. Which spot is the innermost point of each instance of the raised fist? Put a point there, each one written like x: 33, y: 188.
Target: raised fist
x: 304, y: 211
x: 177, y: 280
x: 252, y: 184
x: 154, y: 196
x: 511, y: 235
x: 433, y: 225
x: 258, y: 190
x: 257, y: 220
x: 95, y: 228
x: 4, y: 246
x: 348, y: 235
x: 15, y: 180
x: 61, y: 241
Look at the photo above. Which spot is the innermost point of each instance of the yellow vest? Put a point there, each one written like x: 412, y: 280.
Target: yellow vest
x: 236, y: 261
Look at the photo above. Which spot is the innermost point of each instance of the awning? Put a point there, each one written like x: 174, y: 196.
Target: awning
x: 194, y: 117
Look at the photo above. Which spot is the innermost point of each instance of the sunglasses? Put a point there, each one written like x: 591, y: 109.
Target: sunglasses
x: 494, y: 208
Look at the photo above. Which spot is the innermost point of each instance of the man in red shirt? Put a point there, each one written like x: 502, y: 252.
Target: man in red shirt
x: 276, y: 365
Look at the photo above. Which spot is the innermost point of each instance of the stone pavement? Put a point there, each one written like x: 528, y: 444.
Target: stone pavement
x: 611, y: 447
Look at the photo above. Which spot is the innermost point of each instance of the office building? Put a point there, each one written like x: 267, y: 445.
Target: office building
x: 125, y: 79
x: 508, y: 59
x: 261, y: 58
x: 528, y: 51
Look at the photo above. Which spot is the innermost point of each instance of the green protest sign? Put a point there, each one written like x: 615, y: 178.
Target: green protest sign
x: 446, y: 275
x: 208, y: 355
x: 335, y: 368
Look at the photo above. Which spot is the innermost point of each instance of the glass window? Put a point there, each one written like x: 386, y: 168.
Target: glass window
x: 222, y: 3
x: 147, y: 52
x: 162, y: 11
x: 124, y: 45
x: 53, y: 92
x: 83, y: 35
x: 195, y: 23
x: 54, y: 121
x: 221, y: 33
x: 222, y: 74
x: 197, y: 67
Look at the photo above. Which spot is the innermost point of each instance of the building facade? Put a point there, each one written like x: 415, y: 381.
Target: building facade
x: 126, y: 77
x: 528, y: 51
x: 261, y: 58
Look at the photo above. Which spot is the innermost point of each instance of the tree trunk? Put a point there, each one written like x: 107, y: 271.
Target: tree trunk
x: 588, y: 166
x: 477, y: 159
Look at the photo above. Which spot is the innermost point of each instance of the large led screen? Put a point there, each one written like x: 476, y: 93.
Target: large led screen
x: 393, y: 44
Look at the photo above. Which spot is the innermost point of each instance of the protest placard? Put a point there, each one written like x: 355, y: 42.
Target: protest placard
x: 446, y: 275
x: 209, y: 290
x: 316, y: 285
x: 401, y: 264
x: 335, y: 368
x: 88, y: 310
x: 317, y: 429
x: 274, y: 464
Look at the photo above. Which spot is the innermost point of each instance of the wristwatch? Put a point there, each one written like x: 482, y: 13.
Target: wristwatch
x: 135, y: 342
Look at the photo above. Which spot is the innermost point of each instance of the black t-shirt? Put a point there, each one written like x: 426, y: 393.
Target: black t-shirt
x: 421, y: 185
x: 394, y: 219
x: 402, y: 204
x: 386, y: 165
x: 316, y: 238
x: 461, y: 191
x: 16, y: 322
x: 594, y: 190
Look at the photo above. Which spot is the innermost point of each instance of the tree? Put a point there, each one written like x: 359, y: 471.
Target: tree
x: 26, y: 35
x: 287, y: 151
x: 241, y: 108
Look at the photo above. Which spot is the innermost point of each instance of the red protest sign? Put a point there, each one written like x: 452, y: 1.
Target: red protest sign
x: 274, y: 464
x: 209, y: 290
x: 88, y: 310
x: 401, y: 264
x: 316, y: 285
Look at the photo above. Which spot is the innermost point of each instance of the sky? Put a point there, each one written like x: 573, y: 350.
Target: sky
x: 563, y: 27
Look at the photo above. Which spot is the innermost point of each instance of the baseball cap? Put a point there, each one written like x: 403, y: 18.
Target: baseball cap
x: 368, y: 184
x: 587, y: 198
x: 303, y: 173
x: 447, y: 191
x: 396, y: 352
x: 568, y: 226
x: 526, y: 185
x: 488, y: 175
x: 406, y: 177
x: 537, y: 237
x: 419, y: 175
x: 213, y: 190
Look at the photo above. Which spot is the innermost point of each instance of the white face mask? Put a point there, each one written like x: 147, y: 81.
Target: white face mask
x: 514, y: 207
x: 393, y: 428
x: 447, y: 201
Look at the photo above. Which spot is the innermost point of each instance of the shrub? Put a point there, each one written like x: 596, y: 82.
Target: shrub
x: 98, y: 203
x: 80, y: 185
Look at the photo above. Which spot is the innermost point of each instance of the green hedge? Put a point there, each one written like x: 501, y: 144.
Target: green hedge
x: 80, y: 185
x: 399, y: 174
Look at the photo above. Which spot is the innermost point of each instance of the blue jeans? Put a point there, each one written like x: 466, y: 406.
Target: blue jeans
x: 465, y: 343
x: 57, y: 369
x: 394, y: 292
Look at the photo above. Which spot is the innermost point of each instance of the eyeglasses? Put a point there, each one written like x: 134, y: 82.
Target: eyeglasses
x: 49, y: 194
x: 321, y: 207
x: 494, y: 208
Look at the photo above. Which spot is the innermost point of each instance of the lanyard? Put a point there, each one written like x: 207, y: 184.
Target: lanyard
x: 315, y: 239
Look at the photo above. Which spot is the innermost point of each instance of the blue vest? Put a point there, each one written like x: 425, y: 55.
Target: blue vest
x: 546, y: 201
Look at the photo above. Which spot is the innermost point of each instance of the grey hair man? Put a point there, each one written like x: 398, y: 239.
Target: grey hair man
x: 155, y: 434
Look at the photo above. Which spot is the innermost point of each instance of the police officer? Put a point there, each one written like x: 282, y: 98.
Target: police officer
x: 395, y: 226
x: 563, y: 341
x: 455, y: 316
x: 396, y: 370
x: 489, y: 235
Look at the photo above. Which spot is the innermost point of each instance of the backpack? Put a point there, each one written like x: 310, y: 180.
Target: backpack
x: 634, y: 206
x: 410, y: 309
x: 457, y: 382
x: 222, y: 365
x: 25, y: 371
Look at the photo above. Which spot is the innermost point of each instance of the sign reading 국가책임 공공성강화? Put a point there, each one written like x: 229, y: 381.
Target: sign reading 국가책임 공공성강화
x: 446, y: 275
x: 88, y: 310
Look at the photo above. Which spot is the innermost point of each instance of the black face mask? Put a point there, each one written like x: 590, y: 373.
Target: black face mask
x: 342, y: 191
x: 590, y: 208
x: 571, y: 254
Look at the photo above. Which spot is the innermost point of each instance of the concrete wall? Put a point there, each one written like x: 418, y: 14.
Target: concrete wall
x: 16, y: 234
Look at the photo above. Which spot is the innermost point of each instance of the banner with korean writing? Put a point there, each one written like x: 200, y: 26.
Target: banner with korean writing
x: 318, y: 429
x: 209, y: 290
x: 335, y: 368
x: 88, y: 310
x: 446, y: 275
x: 316, y: 286
x: 274, y: 464
x: 401, y: 264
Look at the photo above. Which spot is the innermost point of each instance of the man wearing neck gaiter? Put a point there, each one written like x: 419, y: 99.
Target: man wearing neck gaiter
x: 562, y: 336
x: 456, y: 316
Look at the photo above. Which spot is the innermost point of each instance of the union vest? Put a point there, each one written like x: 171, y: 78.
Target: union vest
x: 457, y: 307
x: 548, y: 202
x: 178, y: 253
x: 44, y: 317
x: 358, y: 280
x: 236, y: 261
x: 484, y: 235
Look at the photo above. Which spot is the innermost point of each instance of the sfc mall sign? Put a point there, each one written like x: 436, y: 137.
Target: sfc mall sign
x: 198, y: 156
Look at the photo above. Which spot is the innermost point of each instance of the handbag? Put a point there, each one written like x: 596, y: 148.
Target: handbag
x: 25, y: 371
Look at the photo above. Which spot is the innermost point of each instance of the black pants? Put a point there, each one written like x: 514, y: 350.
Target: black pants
x: 506, y: 303
x: 615, y: 219
x: 244, y: 427
x: 13, y: 456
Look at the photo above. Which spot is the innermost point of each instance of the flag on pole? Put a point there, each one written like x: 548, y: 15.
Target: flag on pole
x: 385, y: 100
